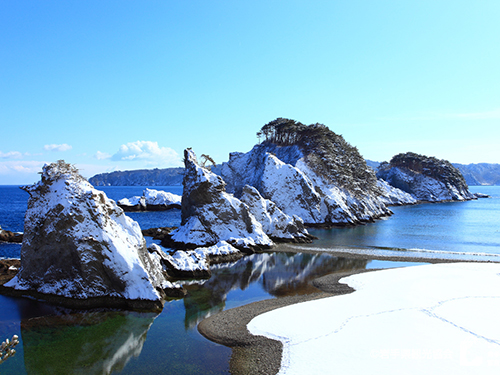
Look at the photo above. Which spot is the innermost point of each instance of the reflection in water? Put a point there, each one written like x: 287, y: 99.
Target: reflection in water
x: 86, y: 343
x: 278, y: 274
x: 61, y: 341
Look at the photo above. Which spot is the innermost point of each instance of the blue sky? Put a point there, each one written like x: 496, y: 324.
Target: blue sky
x: 120, y: 85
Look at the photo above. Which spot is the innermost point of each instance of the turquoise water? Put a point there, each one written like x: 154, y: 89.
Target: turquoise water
x: 61, y: 341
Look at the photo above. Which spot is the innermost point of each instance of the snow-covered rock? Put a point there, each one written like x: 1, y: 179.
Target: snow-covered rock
x: 196, y: 263
x: 151, y: 200
x: 135, y: 203
x: 481, y: 195
x: 426, y: 178
x: 287, y: 177
x: 80, y: 249
x: 210, y: 214
x: 394, y: 196
x: 275, y: 223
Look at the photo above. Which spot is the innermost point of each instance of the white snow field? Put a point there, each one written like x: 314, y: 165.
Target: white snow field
x: 429, y: 319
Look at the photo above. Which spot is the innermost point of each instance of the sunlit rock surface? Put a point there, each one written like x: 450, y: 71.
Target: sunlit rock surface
x: 79, y: 246
x: 425, y: 178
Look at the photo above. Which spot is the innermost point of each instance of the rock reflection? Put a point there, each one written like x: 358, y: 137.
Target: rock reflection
x: 279, y: 274
x: 85, y: 343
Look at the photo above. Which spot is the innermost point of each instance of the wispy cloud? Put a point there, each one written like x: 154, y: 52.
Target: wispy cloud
x: 54, y: 147
x: 11, y: 155
x: 102, y: 155
x: 147, y: 151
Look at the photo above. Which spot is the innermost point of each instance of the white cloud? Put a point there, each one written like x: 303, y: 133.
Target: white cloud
x: 102, y: 155
x: 147, y: 151
x: 11, y: 155
x: 54, y: 147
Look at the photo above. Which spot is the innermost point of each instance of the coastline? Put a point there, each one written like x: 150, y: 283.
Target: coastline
x: 258, y: 354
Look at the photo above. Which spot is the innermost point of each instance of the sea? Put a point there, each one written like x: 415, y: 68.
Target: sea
x: 61, y: 341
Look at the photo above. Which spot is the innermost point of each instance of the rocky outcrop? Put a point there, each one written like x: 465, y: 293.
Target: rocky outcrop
x: 210, y: 215
x: 8, y: 236
x: 275, y: 223
x: 426, y: 178
x: 80, y: 250
x: 308, y: 171
x: 151, y: 200
x: 195, y: 264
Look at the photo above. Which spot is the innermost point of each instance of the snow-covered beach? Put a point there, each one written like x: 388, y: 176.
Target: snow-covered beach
x: 429, y: 319
x: 414, y: 320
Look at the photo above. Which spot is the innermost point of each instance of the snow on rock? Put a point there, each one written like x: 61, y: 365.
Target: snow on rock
x: 135, y: 203
x: 426, y: 178
x: 161, y: 198
x: 275, y: 223
x: 152, y: 200
x: 284, y: 176
x: 430, y: 319
x: 394, y: 196
x: 210, y: 215
x: 196, y: 263
x: 80, y: 245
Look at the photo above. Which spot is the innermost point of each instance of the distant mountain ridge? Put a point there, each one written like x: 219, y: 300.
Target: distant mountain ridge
x: 480, y: 174
x: 141, y: 177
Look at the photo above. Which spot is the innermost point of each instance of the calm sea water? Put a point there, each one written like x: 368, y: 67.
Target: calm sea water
x: 59, y: 341
x: 454, y: 230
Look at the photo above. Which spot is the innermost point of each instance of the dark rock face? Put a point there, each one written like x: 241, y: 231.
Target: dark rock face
x: 78, y: 245
x: 425, y: 178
